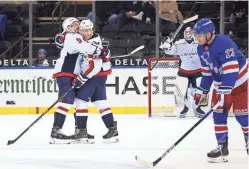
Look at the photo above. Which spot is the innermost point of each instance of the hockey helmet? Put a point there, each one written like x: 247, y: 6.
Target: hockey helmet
x: 86, y: 24
x: 188, y: 34
x: 69, y: 22
x: 203, y: 26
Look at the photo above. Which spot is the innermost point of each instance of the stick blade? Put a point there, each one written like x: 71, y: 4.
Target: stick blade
x: 10, y: 142
x: 190, y: 19
x: 144, y: 163
x: 137, y: 49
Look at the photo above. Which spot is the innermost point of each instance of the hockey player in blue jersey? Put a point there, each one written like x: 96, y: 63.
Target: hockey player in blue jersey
x: 224, y: 65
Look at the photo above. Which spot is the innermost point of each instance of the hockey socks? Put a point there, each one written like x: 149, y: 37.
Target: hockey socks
x: 221, y: 130
x: 60, y: 114
x: 81, y: 118
x: 243, y: 121
x: 107, y: 117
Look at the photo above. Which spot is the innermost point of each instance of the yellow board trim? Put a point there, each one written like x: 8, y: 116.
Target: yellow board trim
x: 40, y: 110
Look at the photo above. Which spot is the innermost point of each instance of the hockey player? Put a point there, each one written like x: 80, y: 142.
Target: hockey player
x: 224, y: 65
x: 96, y: 69
x: 67, y: 72
x: 189, y: 70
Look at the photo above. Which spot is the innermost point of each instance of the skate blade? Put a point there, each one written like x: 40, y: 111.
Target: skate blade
x: 182, y: 116
x: 112, y: 140
x: 83, y: 141
x: 222, y: 159
x: 59, y: 141
x: 199, y: 115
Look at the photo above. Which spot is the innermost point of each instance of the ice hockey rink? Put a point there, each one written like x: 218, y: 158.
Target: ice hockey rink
x: 139, y: 135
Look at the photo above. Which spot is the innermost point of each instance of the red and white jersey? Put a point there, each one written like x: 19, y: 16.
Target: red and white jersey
x: 190, y: 61
x: 94, y: 65
x: 69, y: 62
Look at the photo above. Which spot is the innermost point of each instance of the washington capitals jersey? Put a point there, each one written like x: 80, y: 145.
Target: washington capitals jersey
x: 69, y: 62
x: 222, y: 63
x: 190, y: 61
x: 96, y: 66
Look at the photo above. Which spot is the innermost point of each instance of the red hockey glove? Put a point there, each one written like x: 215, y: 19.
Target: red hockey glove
x: 201, y: 97
x: 59, y: 40
x: 79, y: 81
x: 105, y: 53
x: 225, y: 97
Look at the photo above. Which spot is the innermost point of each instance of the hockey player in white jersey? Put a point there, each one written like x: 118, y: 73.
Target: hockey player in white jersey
x: 189, y: 70
x: 95, y: 69
x: 67, y: 72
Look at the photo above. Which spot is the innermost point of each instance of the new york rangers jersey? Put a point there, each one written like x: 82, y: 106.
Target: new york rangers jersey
x: 69, y: 62
x: 190, y: 61
x: 222, y: 63
x: 96, y: 66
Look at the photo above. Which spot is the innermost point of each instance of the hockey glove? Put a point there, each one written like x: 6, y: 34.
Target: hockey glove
x: 79, y: 81
x: 225, y: 97
x: 201, y: 97
x: 166, y: 45
x: 105, y: 53
x: 59, y: 40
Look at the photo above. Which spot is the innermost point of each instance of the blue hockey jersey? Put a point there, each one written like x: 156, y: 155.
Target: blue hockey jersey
x: 222, y: 63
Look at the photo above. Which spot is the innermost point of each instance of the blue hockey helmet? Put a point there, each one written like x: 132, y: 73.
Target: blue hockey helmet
x: 203, y: 26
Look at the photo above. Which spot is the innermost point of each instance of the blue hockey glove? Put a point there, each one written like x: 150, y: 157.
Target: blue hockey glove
x: 79, y: 81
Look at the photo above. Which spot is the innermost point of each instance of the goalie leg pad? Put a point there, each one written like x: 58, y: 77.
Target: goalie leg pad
x: 181, y: 87
x: 81, y: 113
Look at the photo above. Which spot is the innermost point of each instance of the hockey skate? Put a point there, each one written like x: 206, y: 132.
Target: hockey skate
x: 184, y: 112
x: 219, y: 155
x: 199, y: 113
x: 57, y: 137
x: 81, y: 136
x: 112, y: 135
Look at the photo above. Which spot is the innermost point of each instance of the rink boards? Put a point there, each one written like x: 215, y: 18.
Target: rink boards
x: 33, y: 90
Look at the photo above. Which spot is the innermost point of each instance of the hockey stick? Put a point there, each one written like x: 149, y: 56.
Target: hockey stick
x: 152, y: 164
x: 60, y: 99
x: 130, y: 54
x: 176, y: 33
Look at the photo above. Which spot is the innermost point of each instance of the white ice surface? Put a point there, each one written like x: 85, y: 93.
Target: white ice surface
x: 139, y: 135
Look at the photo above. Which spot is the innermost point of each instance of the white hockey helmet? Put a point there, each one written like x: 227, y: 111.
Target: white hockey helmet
x: 86, y: 24
x: 69, y: 22
x: 188, y: 34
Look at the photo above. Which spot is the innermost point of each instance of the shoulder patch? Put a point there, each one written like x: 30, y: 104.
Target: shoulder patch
x: 229, y: 53
x: 181, y: 41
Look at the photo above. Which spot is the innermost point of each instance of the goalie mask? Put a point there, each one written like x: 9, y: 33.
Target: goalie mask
x: 86, y: 29
x: 188, y: 34
x: 71, y: 24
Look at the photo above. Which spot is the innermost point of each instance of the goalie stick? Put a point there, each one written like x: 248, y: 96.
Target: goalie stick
x: 130, y: 54
x: 154, y: 163
x: 20, y: 135
x: 176, y: 33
